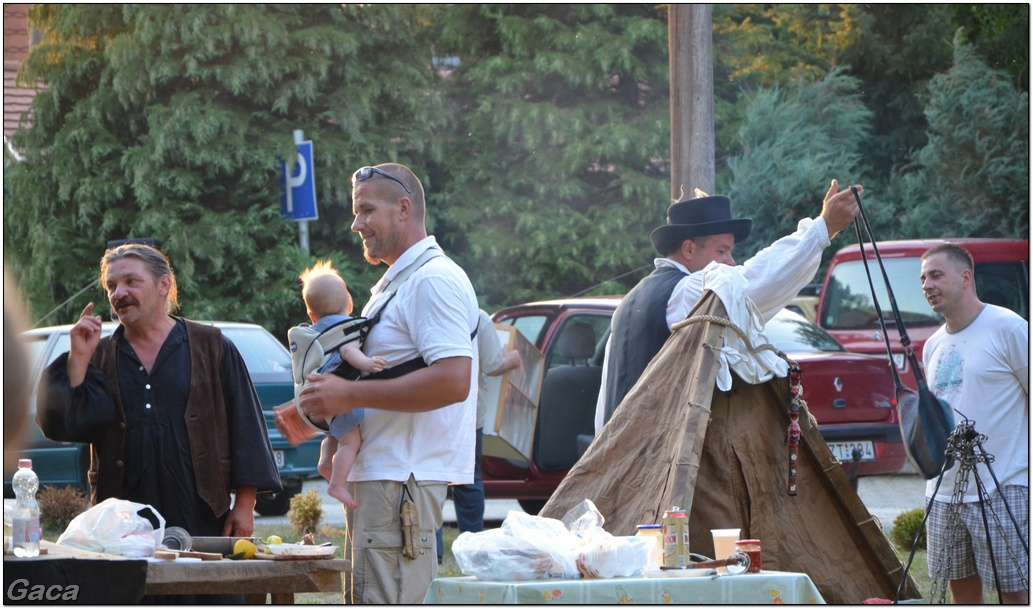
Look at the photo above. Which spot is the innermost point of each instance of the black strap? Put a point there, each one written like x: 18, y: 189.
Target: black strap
x: 405, y: 492
x: 413, y: 364
x: 429, y: 255
x: 400, y: 370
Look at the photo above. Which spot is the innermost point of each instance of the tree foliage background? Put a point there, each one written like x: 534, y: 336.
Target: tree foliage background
x: 560, y: 144
x: 541, y: 133
x: 170, y: 121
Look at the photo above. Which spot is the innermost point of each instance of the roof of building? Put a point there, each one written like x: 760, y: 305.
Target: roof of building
x: 16, y: 99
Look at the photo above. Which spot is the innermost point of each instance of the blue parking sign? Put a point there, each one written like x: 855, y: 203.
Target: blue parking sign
x: 298, y: 197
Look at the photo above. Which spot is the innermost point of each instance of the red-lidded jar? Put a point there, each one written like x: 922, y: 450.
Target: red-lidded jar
x: 751, y: 548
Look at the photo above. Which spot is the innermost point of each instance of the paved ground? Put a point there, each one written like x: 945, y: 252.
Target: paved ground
x: 884, y: 496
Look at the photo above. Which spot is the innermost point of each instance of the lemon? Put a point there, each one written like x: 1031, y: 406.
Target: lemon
x: 273, y: 540
x: 245, y: 546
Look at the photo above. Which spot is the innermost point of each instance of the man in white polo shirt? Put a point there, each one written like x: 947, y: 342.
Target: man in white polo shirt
x: 418, y: 430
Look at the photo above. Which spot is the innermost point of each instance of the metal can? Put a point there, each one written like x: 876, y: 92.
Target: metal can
x: 676, y: 538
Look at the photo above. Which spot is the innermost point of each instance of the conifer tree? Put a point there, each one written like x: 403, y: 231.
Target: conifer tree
x: 794, y: 140
x: 170, y: 121
x: 972, y: 178
x: 559, y: 164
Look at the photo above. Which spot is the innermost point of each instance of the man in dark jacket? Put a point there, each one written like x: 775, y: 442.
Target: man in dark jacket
x: 166, y: 404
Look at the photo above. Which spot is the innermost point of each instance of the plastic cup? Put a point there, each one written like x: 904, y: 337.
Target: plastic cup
x: 177, y: 538
x: 646, y: 553
x: 724, y: 543
x: 615, y: 558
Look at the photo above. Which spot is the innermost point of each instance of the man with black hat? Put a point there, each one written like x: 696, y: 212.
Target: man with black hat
x: 700, y: 231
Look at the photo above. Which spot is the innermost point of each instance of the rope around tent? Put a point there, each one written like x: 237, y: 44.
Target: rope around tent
x: 721, y: 321
x: 793, y: 433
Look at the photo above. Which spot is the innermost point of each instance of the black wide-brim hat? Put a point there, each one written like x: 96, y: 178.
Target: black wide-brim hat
x: 697, y: 218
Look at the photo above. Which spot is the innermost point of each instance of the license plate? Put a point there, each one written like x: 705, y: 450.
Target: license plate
x: 280, y: 461
x: 844, y: 451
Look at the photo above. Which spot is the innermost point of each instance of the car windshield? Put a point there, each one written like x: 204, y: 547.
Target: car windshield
x: 792, y: 333
x: 849, y: 305
x: 261, y: 351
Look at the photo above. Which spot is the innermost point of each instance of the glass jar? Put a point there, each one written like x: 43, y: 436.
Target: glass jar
x: 654, y: 533
x: 751, y: 548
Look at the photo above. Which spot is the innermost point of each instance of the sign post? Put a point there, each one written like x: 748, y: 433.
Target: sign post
x: 298, y: 199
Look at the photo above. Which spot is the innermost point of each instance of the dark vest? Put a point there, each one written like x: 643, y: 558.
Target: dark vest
x: 638, y: 331
x: 207, y: 427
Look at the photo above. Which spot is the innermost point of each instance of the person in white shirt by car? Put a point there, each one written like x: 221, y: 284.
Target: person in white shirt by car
x: 418, y: 430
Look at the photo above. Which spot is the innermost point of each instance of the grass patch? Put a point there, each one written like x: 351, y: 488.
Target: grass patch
x: 447, y: 568
x: 920, y: 573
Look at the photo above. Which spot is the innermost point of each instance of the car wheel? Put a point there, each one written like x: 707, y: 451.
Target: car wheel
x: 531, y: 506
x: 277, y: 504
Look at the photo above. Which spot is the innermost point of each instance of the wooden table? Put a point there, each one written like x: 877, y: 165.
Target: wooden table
x: 280, y: 579
x: 255, y: 579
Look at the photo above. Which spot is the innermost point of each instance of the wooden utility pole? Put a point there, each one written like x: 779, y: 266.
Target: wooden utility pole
x: 690, y: 44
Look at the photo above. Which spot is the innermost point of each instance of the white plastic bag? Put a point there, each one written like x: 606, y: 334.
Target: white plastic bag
x: 529, y: 547
x: 585, y: 521
x: 524, y: 548
x: 598, y: 554
x: 113, y: 526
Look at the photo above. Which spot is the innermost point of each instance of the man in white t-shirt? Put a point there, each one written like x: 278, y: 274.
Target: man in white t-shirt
x: 978, y: 362
x: 418, y: 430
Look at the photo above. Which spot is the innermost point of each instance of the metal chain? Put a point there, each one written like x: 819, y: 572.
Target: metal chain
x: 962, y: 448
x: 984, y: 457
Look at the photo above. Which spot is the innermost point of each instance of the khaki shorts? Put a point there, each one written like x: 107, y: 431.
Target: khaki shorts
x: 380, y: 574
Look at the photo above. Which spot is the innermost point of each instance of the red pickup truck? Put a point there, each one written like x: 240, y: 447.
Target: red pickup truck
x: 846, y: 310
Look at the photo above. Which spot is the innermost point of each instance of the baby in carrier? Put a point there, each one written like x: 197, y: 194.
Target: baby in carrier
x: 328, y: 302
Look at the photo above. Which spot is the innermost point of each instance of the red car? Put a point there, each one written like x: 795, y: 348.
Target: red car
x: 846, y: 310
x: 851, y: 395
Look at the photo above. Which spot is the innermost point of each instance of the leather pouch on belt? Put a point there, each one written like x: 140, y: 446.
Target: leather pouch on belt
x: 410, y: 525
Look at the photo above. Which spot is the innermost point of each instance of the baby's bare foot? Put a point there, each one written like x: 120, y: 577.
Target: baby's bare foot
x: 340, y: 493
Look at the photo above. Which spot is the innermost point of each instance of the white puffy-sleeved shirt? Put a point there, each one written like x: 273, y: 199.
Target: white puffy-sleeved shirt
x: 773, y: 276
x: 432, y: 315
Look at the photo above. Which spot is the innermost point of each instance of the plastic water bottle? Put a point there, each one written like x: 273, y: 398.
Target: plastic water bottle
x: 25, y: 530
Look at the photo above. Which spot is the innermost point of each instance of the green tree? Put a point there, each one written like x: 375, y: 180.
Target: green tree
x: 972, y: 178
x: 558, y: 166
x: 1000, y: 32
x: 900, y: 47
x: 795, y: 139
x: 544, y: 151
x: 170, y: 121
x: 762, y: 45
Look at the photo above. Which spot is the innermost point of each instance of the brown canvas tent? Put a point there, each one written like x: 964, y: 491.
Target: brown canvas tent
x: 675, y: 440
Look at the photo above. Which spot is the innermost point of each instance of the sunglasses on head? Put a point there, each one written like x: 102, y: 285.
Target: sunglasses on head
x: 367, y: 172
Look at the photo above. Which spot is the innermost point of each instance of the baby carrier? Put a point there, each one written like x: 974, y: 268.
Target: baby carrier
x: 311, y: 351
x: 316, y: 348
